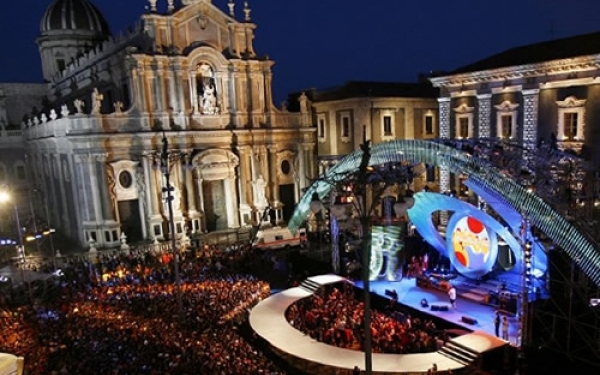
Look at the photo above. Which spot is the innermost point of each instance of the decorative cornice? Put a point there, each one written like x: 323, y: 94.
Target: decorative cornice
x: 554, y: 67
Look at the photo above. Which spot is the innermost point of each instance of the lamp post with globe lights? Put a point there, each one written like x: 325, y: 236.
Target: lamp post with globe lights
x: 166, y: 159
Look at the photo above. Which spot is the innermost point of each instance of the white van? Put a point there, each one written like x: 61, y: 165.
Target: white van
x: 279, y: 238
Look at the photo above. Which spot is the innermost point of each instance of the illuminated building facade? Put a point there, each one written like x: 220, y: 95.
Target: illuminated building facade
x: 187, y: 72
x: 529, y: 95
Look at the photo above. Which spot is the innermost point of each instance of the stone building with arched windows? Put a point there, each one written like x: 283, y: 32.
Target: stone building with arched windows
x: 188, y: 75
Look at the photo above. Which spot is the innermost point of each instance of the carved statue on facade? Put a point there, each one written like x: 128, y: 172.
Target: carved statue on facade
x: 209, y: 100
x: 260, y: 192
x: 207, y: 95
x: 112, y: 189
x: 79, y: 104
x: 97, y: 98
x: 64, y: 110
x: 118, y: 107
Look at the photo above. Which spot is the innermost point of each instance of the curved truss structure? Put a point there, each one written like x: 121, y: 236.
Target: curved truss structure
x: 480, y: 167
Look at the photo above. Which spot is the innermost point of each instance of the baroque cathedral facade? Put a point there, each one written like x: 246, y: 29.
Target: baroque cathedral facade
x: 182, y: 96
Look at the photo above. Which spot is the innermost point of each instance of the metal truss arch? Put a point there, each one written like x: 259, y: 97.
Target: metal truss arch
x: 480, y: 169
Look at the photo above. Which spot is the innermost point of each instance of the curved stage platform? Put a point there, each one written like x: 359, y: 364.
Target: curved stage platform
x: 268, y: 320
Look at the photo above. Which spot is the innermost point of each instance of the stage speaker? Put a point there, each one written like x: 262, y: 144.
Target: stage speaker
x: 468, y: 320
x: 439, y: 307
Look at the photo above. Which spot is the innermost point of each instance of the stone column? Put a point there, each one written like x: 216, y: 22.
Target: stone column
x: 158, y: 89
x: 409, y: 122
x: 444, y: 131
x: 82, y: 162
x: 200, y: 193
x: 193, y: 91
x: 142, y: 186
x: 233, y: 220
x: 301, y: 172
x: 106, y: 187
x: 263, y: 163
x: 273, y: 180
x: 444, y: 123
x: 274, y: 183
x: 141, y: 81
x: 189, y: 184
x: 530, y: 121
x: 484, y: 105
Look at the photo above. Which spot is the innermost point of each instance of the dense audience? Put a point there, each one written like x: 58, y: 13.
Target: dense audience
x: 119, y: 315
x: 335, y: 317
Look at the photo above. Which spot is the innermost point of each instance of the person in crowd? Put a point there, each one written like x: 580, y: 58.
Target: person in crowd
x: 505, y: 328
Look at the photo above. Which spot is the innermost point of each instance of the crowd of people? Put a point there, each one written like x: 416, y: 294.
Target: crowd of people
x: 334, y: 316
x: 119, y: 314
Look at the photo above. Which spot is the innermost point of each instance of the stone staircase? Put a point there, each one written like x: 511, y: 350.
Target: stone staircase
x: 310, y: 286
x: 459, y: 353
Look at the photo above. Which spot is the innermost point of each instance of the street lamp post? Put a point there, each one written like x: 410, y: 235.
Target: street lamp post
x: 366, y: 250
x: 166, y: 170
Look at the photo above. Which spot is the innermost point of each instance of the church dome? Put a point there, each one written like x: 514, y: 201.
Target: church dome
x: 74, y: 16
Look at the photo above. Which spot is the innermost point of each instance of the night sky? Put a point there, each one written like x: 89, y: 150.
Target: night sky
x: 323, y: 43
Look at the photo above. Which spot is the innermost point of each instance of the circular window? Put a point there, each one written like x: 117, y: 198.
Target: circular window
x: 285, y: 167
x: 125, y: 179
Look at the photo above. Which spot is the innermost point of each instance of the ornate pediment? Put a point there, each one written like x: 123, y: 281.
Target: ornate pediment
x: 571, y: 102
x: 507, y: 106
x: 463, y: 108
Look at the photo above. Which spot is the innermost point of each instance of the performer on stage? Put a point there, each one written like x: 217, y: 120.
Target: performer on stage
x: 452, y: 296
x: 497, y: 323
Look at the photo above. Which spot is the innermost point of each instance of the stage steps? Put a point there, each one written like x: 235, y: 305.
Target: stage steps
x: 458, y: 353
x: 310, y: 286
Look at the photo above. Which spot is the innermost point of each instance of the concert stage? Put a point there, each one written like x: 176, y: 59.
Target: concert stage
x: 268, y: 320
x: 409, y: 294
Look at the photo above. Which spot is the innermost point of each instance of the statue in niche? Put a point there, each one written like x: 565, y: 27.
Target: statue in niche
x: 209, y: 100
x: 206, y: 88
x: 112, y: 189
x: 260, y: 191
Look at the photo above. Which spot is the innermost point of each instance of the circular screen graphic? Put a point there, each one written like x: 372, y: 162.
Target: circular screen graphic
x: 470, y: 246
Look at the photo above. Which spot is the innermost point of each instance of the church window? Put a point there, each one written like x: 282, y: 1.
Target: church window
x: 125, y: 179
x: 571, y: 119
x: 506, y: 120
x: 507, y: 126
x: 285, y: 167
x: 321, y: 130
x: 60, y: 64
x: 428, y: 124
x: 387, y: 125
x: 463, y: 121
x: 463, y: 127
x: 570, y: 127
x: 345, y: 127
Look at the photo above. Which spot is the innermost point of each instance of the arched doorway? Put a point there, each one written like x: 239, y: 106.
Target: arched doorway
x: 216, y: 181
